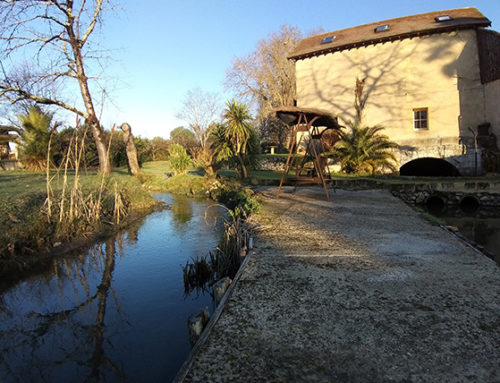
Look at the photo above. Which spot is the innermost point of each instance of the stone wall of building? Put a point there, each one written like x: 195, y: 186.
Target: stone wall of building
x: 439, y: 72
x: 463, y: 156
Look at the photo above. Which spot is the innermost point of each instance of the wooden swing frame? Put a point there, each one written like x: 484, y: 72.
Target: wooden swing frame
x: 305, y: 120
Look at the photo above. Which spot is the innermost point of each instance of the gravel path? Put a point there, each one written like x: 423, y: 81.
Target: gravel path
x: 358, y: 289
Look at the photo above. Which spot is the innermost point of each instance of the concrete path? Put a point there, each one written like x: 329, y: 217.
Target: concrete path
x: 359, y: 289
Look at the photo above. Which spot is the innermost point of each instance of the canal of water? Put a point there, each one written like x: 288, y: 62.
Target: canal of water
x: 116, y: 312
x: 480, y: 227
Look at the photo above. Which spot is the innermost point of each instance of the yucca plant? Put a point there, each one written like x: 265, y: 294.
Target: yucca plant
x: 238, y: 131
x: 179, y: 159
x: 362, y: 149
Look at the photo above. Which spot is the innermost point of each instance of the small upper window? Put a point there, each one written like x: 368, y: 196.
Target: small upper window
x: 328, y: 39
x: 443, y: 18
x: 382, y: 28
x: 420, y: 118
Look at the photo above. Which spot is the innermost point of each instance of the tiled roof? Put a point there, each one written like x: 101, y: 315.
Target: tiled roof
x: 402, y: 27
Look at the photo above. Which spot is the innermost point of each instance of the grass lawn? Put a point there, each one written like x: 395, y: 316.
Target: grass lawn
x: 156, y: 168
x: 25, y: 225
x: 15, y: 183
x: 22, y: 193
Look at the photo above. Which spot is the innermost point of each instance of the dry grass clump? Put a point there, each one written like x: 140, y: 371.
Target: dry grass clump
x: 37, y: 216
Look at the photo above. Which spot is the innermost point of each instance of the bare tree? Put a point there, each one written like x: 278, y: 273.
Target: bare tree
x: 266, y: 77
x: 56, y: 33
x: 199, y: 110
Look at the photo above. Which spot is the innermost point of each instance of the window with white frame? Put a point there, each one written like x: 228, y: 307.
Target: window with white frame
x: 420, y: 118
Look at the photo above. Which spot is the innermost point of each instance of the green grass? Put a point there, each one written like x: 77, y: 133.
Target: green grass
x: 157, y: 168
x: 194, y: 183
x: 25, y: 225
x: 15, y: 183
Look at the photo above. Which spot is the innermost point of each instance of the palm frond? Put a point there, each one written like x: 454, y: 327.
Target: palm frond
x: 364, y: 149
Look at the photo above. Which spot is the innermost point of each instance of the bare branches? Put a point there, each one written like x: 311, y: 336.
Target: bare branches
x: 13, y: 95
x: 199, y: 110
x: 51, y: 32
x: 266, y: 76
x: 93, y: 22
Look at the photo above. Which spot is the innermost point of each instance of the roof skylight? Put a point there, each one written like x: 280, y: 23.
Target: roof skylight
x: 443, y: 18
x: 382, y: 28
x: 328, y: 39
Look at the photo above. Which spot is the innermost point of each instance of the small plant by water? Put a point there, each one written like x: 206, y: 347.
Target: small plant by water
x: 225, y: 260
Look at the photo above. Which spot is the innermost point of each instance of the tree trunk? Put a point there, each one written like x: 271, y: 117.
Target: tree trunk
x: 128, y: 138
x: 244, y: 173
x: 102, y: 150
x: 91, y: 118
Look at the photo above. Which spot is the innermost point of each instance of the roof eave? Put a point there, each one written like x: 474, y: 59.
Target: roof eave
x: 319, y: 52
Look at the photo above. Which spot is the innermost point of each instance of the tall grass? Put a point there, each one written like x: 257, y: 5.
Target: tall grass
x: 66, y: 206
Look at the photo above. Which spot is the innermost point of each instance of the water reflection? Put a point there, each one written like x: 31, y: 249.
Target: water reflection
x: 116, y: 313
x: 50, y: 340
x: 480, y: 225
x: 182, y: 211
x: 484, y: 232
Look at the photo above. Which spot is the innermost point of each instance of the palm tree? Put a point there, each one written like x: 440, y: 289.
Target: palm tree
x: 35, y: 137
x: 238, y: 131
x: 220, y: 145
x: 364, y: 150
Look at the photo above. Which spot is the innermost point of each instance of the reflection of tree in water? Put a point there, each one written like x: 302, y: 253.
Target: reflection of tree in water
x: 182, y: 211
x: 66, y: 343
x: 132, y: 233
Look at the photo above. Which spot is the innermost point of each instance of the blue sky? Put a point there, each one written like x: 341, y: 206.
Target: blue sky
x: 161, y: 49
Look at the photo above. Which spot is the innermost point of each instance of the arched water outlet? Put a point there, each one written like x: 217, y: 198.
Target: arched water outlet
x: 469, y: 204
x: 429, y: 167
x: 435, y: 204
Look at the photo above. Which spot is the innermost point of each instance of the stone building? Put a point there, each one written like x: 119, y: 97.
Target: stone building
x: 432, y: 80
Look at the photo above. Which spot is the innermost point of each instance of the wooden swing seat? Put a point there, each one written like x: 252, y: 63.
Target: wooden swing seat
x: 302, y: 180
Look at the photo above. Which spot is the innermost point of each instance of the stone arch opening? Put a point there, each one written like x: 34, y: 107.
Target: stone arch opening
x: 429, y: 167
x: 435, y: 204
x: 469, y: 204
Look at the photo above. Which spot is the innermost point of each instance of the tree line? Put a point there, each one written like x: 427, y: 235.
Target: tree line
x: 40, y: 139
x: 61, y: 35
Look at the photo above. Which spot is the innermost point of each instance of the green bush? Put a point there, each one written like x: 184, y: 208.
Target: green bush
x: 240, y: 200
x: 179, y: 159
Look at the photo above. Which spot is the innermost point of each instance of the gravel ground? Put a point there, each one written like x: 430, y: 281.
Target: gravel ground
x: 358, y: 289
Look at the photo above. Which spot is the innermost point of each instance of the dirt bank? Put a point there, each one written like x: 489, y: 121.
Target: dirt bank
x: 354, y: 290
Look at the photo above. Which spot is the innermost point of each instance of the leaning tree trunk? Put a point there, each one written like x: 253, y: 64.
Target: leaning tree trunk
x: 244, y: 172
x: 128, y: 138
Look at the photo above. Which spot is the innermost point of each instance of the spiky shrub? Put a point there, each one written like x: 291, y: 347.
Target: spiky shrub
x: 363, y: 149
x: 179, y: 159
x: 35, y: 136
x: 224, y: 150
